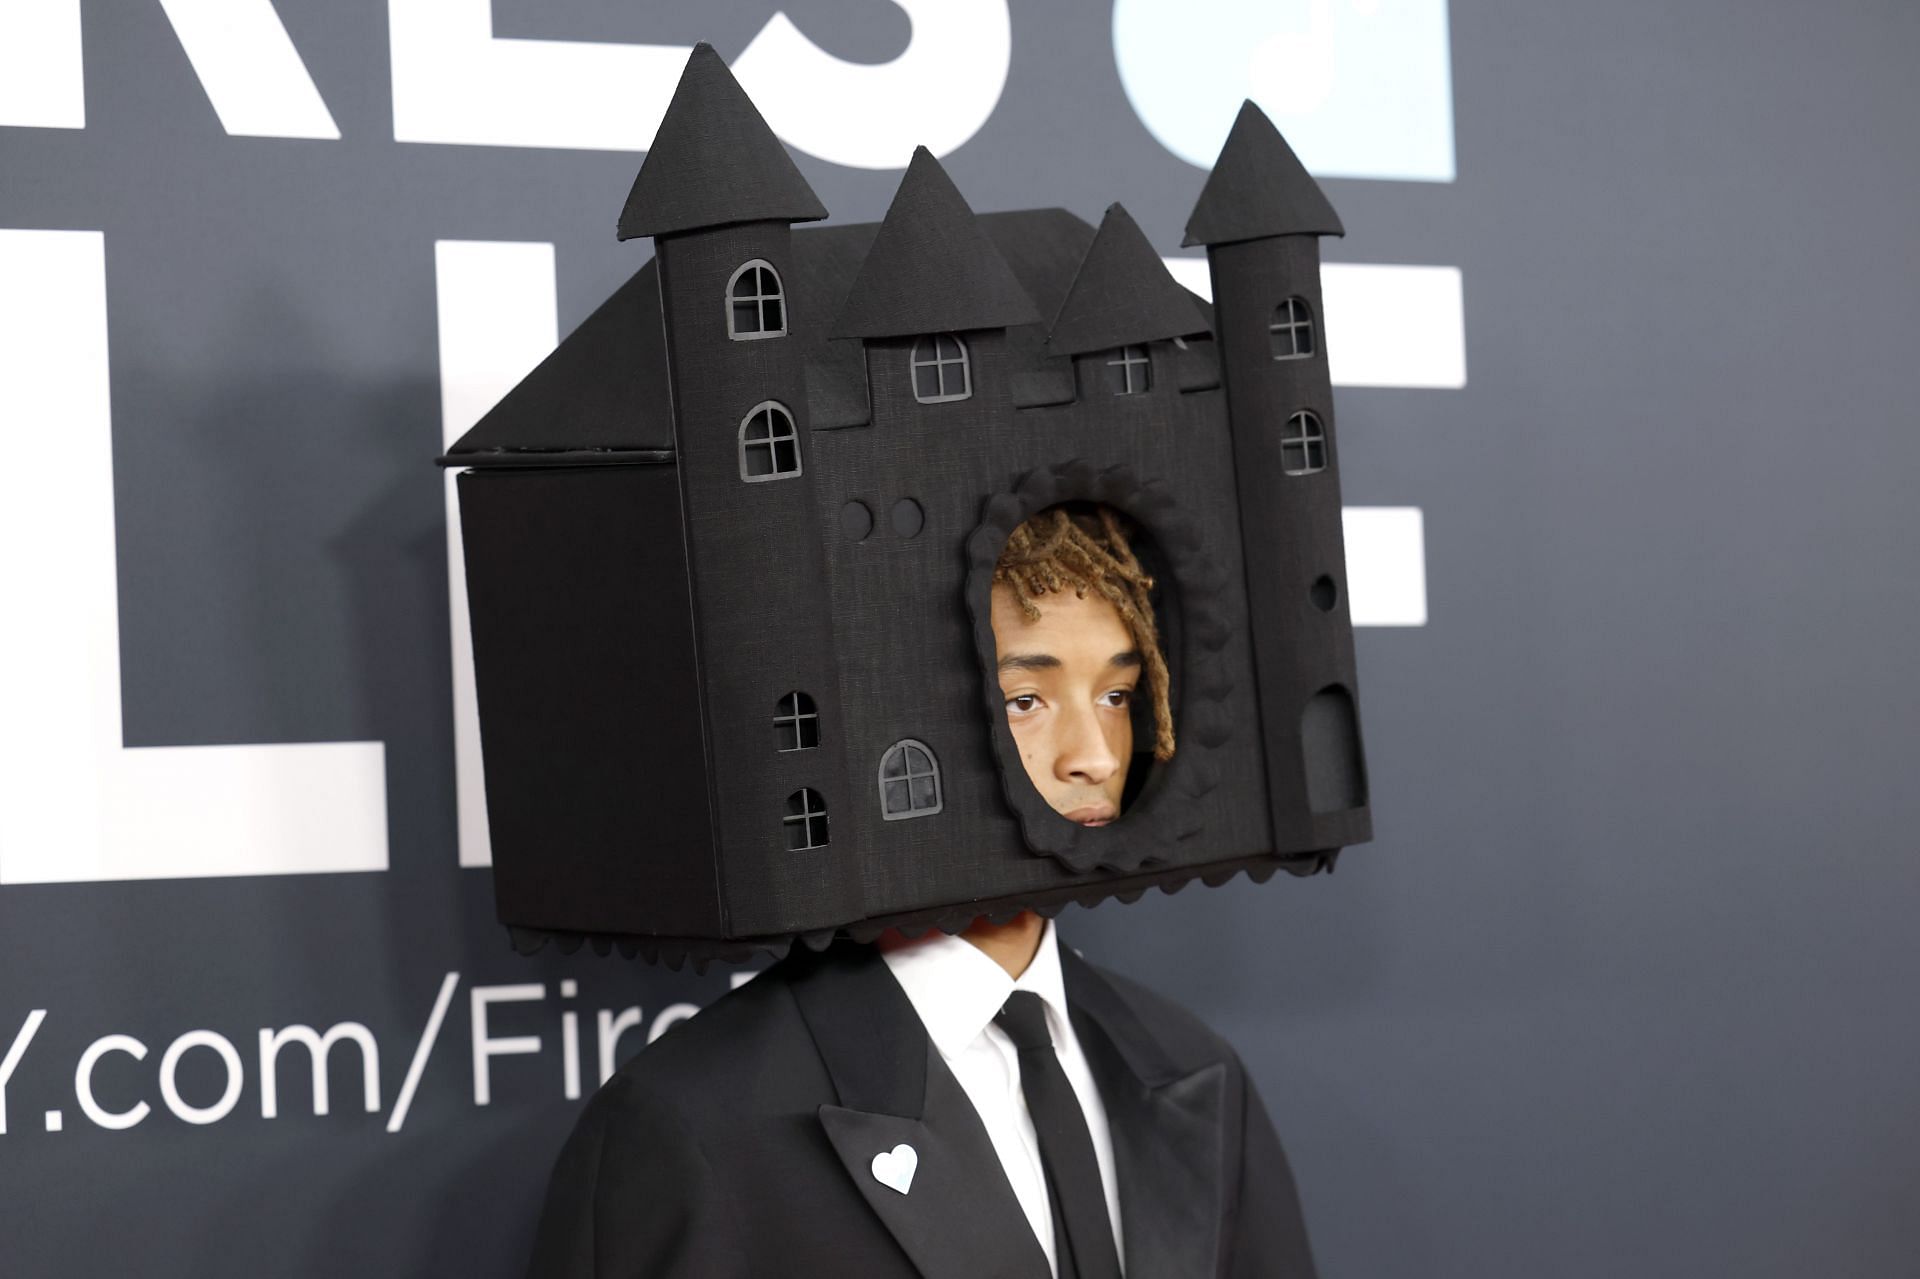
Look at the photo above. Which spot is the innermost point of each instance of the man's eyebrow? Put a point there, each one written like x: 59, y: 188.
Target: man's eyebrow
x: 1028, y: 662
x: 1129, y: 658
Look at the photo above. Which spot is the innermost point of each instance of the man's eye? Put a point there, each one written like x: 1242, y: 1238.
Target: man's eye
x: 1022, y: 702
x: 1119, y: 697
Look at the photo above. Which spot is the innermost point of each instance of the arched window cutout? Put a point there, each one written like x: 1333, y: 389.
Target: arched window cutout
x: 1303, y: 445
x: 909, y: 782
x: 756, y: 304
x: 796, y: 725
x: 941, y: 370
x: 1291, y: 330
x: 1129, y: 371
x: 769, y: 446
x: 806, y: 821
x: 1330, y: 741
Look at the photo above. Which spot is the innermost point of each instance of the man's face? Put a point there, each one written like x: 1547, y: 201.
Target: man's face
x: 1068, y: 678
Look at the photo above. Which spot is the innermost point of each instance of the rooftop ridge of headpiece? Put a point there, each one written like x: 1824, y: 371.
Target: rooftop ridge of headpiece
x: 932, y: 268
x: 1122, y: 294
x: 714, y: 162
x: 1259, y: 188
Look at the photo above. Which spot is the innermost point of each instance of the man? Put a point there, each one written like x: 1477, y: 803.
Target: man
x: 986, y: 1105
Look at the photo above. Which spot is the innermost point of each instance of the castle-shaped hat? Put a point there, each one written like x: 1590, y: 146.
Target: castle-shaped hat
x: 730, y: 549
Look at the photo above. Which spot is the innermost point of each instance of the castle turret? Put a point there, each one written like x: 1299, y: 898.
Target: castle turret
x: 931, y: 268
x: 1122, y: 301
x: 718, y: 194
x: 1121, y: 294
x: 1260, y: 217
x: 932, y: 302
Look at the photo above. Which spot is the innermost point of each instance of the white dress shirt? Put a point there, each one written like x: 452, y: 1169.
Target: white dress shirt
x: 957, y: 989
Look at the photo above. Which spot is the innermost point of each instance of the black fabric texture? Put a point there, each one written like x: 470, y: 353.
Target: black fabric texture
x: 837, y: 385
x: 1085, y: 1248
x: 603, y: 391
x: 1306, y: 529
x: 576, y: 580
x: 1122, y: 295
x: 771, y: 1104
x: 1063, y: 1264
x: 1196, y: 363
x: 556, y: 459
x: 931, y: 268
x: 1258, y: 188
x: 714, y: 162
x: 677, y: 951
x: 644, y: 805
x: 604, y: 388
x: 1036, y: 379
x: 756, y: 557
x: 1330, y: 735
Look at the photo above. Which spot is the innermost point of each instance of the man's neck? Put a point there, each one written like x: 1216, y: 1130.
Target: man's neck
x: 1011, y: 945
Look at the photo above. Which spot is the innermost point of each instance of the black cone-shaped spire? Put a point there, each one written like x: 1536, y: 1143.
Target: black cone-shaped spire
x: 1121, y: 295
x: 714, y: 161
x: 1259, y: 188
x: 931, y: 268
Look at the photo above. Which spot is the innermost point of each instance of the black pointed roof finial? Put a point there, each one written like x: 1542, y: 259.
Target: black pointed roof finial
x: 1122, y: 294
x: 714, y: 161
x: 1259, y: 188
x: 931, y: 268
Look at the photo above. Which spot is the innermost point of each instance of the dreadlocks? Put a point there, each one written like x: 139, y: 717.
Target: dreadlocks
x: 1086, y: 550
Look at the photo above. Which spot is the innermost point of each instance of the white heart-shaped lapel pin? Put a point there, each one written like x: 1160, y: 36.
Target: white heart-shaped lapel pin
x: 894, y: 1168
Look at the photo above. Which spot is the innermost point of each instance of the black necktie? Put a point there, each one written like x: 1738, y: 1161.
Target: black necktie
x: 1085, y: 1248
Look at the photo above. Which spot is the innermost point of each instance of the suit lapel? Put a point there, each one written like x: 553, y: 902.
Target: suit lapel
x: 959, y: 1218
x: 1167, y: 1126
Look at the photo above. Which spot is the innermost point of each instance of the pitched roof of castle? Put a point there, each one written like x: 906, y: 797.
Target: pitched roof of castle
x: 714, y: 162
x: 603, y: 392
x: 931, y: 269
x: 1121, y: 295
x: 1259, y: 188
x: 603, y: 389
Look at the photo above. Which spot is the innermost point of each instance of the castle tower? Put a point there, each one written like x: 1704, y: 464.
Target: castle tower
x: 1122, y: 293
x: 931, y: 268
x: 1260, y: 217
x: 718, y: 194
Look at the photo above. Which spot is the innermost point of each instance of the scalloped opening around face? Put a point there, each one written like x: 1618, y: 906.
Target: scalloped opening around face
x: 1171, y: 805
x: 1086, y: 648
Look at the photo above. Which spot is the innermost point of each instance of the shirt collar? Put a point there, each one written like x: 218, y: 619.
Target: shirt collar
x: 957, y: 989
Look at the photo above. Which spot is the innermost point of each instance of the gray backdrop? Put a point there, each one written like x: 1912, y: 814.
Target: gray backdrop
x: 1624, y: 986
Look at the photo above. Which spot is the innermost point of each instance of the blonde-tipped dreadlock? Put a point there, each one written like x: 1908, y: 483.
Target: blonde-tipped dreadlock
x: 1088, y: 551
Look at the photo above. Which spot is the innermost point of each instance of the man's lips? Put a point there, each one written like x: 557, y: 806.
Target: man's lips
x: 1091, y: 814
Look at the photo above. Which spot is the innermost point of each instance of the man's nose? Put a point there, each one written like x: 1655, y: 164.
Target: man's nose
x: 1085, y: 756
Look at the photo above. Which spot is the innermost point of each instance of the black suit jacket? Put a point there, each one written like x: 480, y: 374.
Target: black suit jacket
x: 741, y: 1144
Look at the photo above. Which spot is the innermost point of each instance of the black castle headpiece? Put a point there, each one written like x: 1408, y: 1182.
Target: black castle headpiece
x: 729, y: 551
